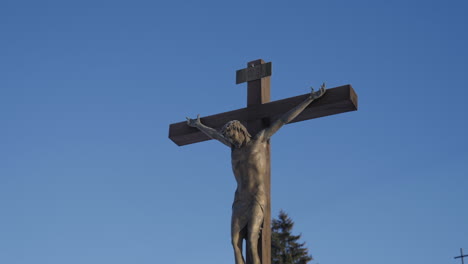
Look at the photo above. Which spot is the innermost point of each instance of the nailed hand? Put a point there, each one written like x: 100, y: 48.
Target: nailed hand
x: 317, y: 94
x: 193, y: 122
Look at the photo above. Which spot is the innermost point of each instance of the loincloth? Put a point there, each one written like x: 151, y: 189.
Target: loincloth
x: 247, y: 205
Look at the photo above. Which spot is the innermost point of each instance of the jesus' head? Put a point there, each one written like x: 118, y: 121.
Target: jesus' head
x: 236, y: 133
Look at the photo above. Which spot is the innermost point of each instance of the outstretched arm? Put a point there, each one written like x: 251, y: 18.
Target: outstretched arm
x: 293, y: 113
x: 212, y: 133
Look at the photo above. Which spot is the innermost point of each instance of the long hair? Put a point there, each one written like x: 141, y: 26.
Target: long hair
x: 235, y: 132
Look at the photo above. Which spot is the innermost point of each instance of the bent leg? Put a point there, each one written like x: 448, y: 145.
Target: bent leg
x: 236, y: 240
x: 254, y: 230
x: 238, y: 233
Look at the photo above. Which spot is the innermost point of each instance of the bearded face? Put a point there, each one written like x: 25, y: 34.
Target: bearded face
x: 236, y: 133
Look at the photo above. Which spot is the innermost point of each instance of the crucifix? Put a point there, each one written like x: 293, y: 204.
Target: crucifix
x: 247, y: 132
x: 461, y: 256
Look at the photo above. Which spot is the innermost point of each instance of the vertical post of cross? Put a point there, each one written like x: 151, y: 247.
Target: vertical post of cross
x: 258, y: 92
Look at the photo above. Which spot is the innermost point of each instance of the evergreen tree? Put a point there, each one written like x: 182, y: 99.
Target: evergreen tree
x: 285, y: 247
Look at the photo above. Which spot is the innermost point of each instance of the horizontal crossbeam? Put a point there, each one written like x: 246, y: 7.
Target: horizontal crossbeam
x: 336, y: 100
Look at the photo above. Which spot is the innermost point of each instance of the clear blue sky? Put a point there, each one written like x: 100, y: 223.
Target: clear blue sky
x: 88, y: 89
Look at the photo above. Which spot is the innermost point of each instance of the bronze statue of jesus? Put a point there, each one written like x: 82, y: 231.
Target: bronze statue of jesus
x: 249, y: 164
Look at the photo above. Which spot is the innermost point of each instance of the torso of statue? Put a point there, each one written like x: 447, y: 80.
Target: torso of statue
x: 250, y: 166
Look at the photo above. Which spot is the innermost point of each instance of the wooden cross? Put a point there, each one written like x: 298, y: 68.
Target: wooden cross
x: 258, y: 114
x: 461, y: 256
